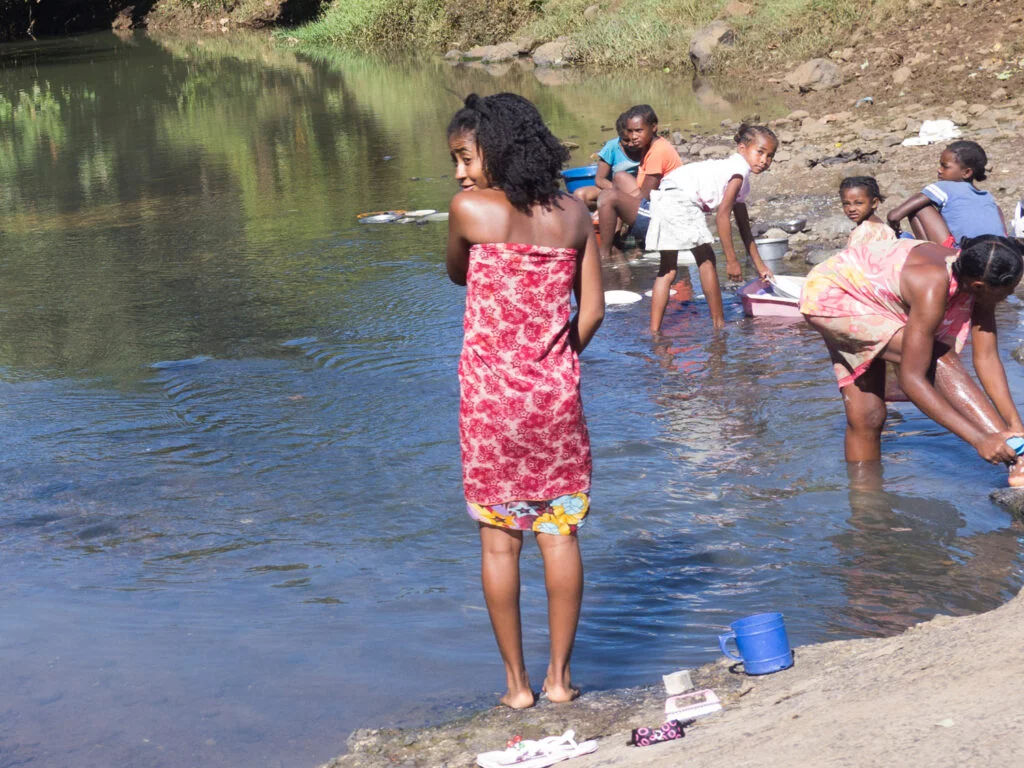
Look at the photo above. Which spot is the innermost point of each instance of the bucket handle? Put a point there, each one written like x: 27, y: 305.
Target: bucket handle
x: 722, y: 640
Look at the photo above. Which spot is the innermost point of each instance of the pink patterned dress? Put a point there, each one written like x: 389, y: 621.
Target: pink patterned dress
x: 869, y: 232
x: 855, y: 300
x: 525, y: 450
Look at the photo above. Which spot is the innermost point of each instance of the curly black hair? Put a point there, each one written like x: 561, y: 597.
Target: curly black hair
x: 867, y: 183
x: 996, y: 260
x: 521, y: 157
x: 970, y: 155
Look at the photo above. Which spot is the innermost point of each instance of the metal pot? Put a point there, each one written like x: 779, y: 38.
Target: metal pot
x: 772, y: 248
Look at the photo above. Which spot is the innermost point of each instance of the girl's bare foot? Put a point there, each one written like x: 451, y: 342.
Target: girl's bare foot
x: 521, y: 699
x: 559, y: 694
x: 1016, y: 477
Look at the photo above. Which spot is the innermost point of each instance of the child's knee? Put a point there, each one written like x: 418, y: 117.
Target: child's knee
x: 867, y: 418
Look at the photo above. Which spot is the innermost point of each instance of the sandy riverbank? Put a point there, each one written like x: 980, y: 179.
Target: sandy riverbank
x: 944, y: 693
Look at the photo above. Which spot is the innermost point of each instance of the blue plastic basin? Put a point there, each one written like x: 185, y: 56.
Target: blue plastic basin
x: 584, y: 176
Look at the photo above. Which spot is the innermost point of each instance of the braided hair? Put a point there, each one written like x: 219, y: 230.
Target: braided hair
x: 867, y: 183
x: 521, y: 157
x: 747, y: 133
x: 998, y: 261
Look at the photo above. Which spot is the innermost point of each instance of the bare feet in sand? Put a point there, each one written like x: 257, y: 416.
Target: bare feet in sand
x: 521, y: 699
x: 1016, y: 477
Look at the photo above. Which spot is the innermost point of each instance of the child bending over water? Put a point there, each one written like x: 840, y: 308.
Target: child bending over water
x: 952, y: 208
x: 521, y: 247
x: 861, y: 197
x: 913, y: 303
x: 677, y: 220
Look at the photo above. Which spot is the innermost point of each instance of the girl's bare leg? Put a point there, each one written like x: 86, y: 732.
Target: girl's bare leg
x: 625, y: 182
x: 708, y: 271
x: 499, y: 569
x: 563, y: 577
x: 928, y: 224
x: 865, y: 413
x: 613, y: 205
x: 662, y: 287
x: 588, y: 195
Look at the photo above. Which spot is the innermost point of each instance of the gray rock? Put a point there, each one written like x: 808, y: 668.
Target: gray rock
x: 717, y: 150
x: 501, y: 52
x: 706, y: 40
x: 125, y: 19
x: 902, y: 75
x: 812, y: 127
x: 815, y: 75
x: 557, y: 53
x: 798, y: 114
x: 818, y: 255
x: 454, y: 55
x: 591, y: 11
x: 1010, y: 499
x: 525, y: 45
x: 478, y: 52
x: 833, y: 226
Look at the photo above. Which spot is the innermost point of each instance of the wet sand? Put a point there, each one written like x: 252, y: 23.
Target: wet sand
x: 944, y: 693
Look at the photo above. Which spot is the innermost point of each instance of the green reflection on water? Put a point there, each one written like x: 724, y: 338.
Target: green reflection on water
x: 165, y: 197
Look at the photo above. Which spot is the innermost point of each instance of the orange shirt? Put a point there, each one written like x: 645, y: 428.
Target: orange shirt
x: 661, y: 158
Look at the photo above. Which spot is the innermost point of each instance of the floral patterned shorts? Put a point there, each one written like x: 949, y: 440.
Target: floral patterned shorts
x: 559, y: 516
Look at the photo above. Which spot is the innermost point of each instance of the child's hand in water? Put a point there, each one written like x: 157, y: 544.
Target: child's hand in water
x: 733, y: 270
x: 993, y: 448
x: 767, y: 275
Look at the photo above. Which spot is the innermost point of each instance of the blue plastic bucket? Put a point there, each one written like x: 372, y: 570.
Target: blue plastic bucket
x: 762, y: 642
x: 584, y: 176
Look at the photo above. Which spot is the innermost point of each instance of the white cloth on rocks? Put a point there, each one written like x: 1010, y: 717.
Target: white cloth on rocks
x: 933, y: 131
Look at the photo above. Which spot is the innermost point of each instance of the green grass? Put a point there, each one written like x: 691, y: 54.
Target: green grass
x: 624, y: 33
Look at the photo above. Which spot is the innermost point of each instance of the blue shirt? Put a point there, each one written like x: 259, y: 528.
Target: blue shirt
x: 613, y: 154
x: 968, y: 211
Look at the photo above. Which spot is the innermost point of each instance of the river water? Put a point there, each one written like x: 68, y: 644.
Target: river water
x: 231, y: 525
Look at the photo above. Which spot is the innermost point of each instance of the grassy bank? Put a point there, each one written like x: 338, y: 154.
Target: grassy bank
x: 621, y: 33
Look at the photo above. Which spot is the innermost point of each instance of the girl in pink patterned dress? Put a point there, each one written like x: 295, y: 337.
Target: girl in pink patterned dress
x: 861, y: 197
x: 521, y: 247
x: 913, y: 303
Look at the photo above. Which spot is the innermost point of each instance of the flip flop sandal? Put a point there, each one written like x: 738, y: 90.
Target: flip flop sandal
x: 525, y: 753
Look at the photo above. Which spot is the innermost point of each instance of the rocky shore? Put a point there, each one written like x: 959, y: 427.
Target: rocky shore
x: 944, y: 693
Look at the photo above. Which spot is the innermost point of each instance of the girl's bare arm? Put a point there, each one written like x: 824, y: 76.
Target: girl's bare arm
x: 457, y: 257
x: 989, y: 367
x: 723, y: 221
x: 743, y: 224
x: 589, y: 295
x: 908, y: 207
x: 925, y: 288
x: 604, y: 175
